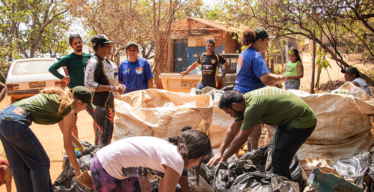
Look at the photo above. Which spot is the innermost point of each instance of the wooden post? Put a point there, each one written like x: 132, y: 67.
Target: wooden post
x: 313, y: 66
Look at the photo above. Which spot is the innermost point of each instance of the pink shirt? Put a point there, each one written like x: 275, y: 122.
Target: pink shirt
x: 150, y: 152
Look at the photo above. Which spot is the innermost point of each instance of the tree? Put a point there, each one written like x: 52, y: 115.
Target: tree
x: 349, y: 20
x: 321, y: 63
x: 26, y: 25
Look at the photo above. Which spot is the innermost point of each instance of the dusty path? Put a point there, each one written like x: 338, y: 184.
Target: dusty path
x: 51, y: 139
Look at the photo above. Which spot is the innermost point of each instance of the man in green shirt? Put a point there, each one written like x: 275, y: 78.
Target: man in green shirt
x: 295, y: 119
x: 75, y: 63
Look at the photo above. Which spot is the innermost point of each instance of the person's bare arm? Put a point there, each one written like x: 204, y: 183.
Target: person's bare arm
x: 65, y: 125
x: 271, y: 79
x: 227, y: 66
x: 8, y: 178
x: 236, y: 144
x: 229, y: 136
x: 150, y: 83
x: 300, y: 71
x: 189, y: 69
x: 170, y: 180
x: 355, y: 83
x: 3, y: 91
x: 183, y: 182
x: 104, y: 88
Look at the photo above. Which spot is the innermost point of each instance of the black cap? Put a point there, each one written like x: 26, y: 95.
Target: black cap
x: 83, y: 94
x: 352, y: 70
x: 131, y: 43
x: 261, y: 33
x: 100, y: 39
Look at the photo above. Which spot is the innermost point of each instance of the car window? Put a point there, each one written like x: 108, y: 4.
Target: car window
x: 32, y: 67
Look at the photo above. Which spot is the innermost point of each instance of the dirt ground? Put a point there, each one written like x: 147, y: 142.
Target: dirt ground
x: 51, y: 138
x: 332, y: 74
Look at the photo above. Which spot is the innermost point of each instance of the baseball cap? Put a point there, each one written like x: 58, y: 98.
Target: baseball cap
x: 83, y: 94
x: 100, y: 39
x: 262, y: 33
x: 131, y: 43
x: 352, y: 70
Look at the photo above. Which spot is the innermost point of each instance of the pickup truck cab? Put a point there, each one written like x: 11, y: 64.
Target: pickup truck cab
x: 27, y: 76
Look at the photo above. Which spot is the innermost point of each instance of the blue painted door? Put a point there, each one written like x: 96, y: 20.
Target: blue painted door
x: 180, y: 55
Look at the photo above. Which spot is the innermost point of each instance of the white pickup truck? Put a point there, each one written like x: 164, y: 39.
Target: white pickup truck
x: 27, y: 76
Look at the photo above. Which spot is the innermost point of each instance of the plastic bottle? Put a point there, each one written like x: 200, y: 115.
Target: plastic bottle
x: 78, y: 153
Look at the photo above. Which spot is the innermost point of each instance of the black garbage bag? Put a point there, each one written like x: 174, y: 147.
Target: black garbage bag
x: 261, y: 158
x: 263, y: 182
x: 207, y: 173
x: 226, y: 173
x: 155, y: 186
x: 355, y: 167
x: 66, y: 180
x: 203, y: 186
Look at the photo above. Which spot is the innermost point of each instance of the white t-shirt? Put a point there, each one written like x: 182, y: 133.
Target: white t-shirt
x: 150, y: 152
x: 363, y: 85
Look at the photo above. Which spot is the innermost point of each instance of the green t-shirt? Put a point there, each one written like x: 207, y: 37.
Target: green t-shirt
x: 291, y: 69
x: 75, y: 65
x: 44, y: 108
x: 275, y: 106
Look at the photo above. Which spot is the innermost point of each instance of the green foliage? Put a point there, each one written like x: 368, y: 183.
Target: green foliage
x: 321, y: 60
x: 32, y: 27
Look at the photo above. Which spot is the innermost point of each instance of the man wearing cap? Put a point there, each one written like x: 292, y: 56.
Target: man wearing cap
x: 252, y: 72
x: 135, y: 72
x: 209, y: 62
x: 351, y: 74
x: 75, y: 63
x: 99, y: 78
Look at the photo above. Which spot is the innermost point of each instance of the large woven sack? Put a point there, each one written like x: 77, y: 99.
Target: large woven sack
x: 160, y: 113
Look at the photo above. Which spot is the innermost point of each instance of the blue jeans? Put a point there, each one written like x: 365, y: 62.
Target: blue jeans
x: 286, y: 142
x: 200, y: 86
x: 27, y: 158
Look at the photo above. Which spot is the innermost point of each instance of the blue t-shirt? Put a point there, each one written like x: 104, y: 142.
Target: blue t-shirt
x: 134, y: 75
x: 251, y: 66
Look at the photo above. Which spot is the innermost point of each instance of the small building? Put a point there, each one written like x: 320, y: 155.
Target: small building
x: 187, y: 42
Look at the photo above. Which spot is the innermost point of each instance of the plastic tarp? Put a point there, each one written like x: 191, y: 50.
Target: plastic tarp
x: 160, y: 113
x: 345, y: 175
x: 252, y: 172
x: 66, y: 181
x: 343, y: 126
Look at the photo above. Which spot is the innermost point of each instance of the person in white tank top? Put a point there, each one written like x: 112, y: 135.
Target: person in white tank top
x: 124, y: 165
x: 351, y: 74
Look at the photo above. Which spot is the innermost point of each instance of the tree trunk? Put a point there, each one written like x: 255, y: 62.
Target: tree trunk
x: 318, y: 77
x: 313, y: 67
x: 319, y: 67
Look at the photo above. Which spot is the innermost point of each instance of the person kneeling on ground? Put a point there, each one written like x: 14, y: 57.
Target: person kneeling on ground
x: 124, y: 164
x: 295, y: 119
x: 351, y: 74
x: 27, y: 158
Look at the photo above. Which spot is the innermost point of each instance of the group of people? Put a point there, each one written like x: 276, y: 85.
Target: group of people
x: 125, y: 164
